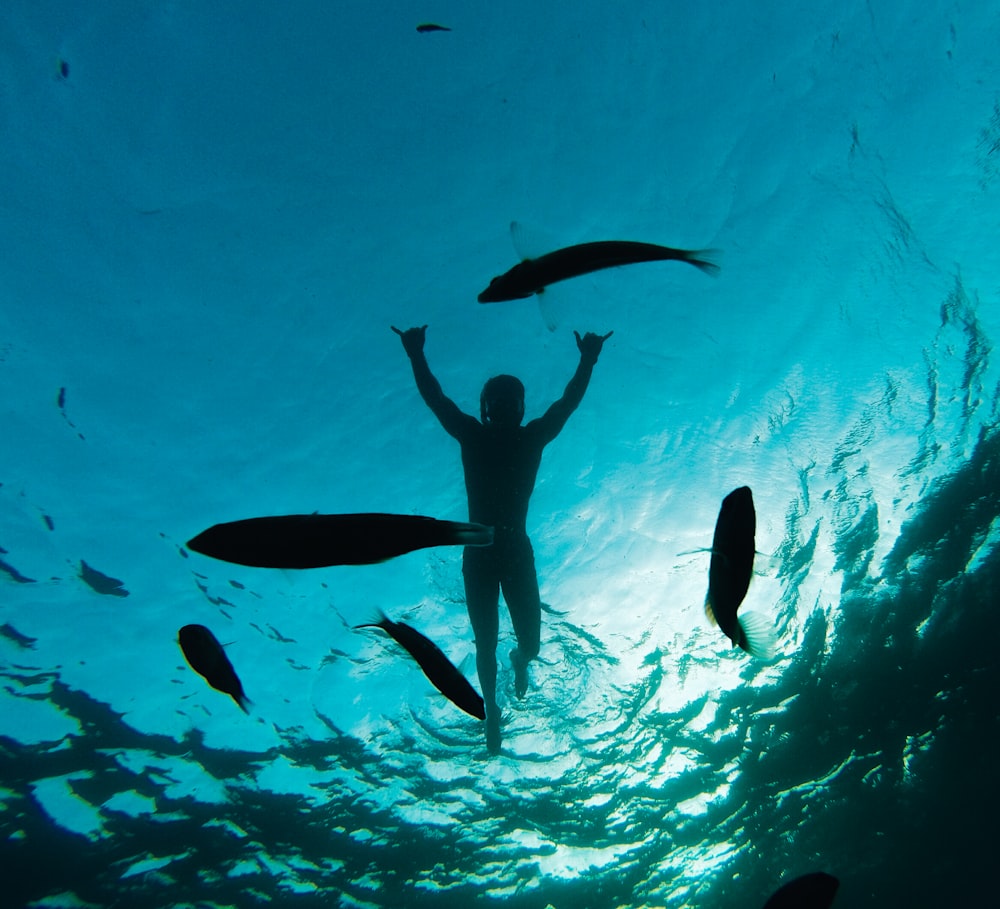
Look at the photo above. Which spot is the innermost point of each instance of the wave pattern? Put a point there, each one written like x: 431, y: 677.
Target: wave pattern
x: 610, y: 795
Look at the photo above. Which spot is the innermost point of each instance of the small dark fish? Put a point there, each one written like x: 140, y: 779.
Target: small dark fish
x: 811, y: 891
x: 15, y: 575
x: 431, y: 27
x: 320, y: 540
x: 729, y: 575
x: 100, y: 582
x: 206, y: 657
x: 532, y: 276
x: 436, y: 666
x: 61, y: 401
x: 12, y: 634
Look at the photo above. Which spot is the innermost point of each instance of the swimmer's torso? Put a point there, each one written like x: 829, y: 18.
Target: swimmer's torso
x: 500, y: 470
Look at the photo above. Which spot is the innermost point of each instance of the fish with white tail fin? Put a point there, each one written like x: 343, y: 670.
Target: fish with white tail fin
x: 729, y: 576
x: 534, y: 273
x: 205, y: 656
x: 435, y: 665
x: 811, y: 891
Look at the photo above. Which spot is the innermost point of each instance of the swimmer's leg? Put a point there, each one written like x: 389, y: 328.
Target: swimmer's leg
x: 520, y: 591
x: 482, y: 596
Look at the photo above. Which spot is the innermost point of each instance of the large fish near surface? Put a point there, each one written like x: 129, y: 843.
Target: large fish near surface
x: 811, y: 891
x: 729, y: 575
x: 206, y: 657
x: 320, y: 540
x: 533, y: 275
x: 436, y: 666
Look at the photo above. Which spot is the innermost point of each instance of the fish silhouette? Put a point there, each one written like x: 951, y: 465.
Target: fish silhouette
x: 729, y: 575
x: 432, y: 27
x: 320, y: 540
x: 811, y: 891
x: 205, y: 656
x: 533, y: 275
x: 435, y: 665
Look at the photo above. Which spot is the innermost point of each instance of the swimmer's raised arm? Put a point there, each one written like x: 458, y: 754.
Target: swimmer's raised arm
x: 551, y: 423
x: 454, y: 421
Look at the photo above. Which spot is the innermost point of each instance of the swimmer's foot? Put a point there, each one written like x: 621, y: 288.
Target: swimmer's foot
x: 493, y: 731
x: 520, y: 672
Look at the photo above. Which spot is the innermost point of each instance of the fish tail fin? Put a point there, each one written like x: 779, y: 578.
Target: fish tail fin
x: 758, y: 636
x: 472, y: 534
x: 704, y: 259
x: 381, y: 620
x: 243, y: 701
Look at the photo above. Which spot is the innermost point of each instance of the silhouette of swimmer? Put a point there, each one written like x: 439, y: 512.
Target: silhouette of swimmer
x: 501, y: 459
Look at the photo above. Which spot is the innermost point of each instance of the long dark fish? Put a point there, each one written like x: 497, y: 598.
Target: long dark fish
x: 436, y: 666
x: 811, y: 891
x: 432, y: 27
x: 730, y: 571
x: 532, y: 276
x: 319, y: 540
x: 206, y: 657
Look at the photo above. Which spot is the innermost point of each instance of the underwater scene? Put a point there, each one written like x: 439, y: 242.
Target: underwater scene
x: 519, y: 454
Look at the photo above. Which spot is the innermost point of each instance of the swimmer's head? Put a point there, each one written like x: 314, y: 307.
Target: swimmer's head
x: 502, y: 401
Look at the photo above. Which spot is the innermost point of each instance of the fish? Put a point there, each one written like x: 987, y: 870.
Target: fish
x: 440, y: 671
x: 321, y: 540
x: 533, y: 275
x: 729, y: 574
x: 22, y: 640
x: 204, y: 654
x: 432, y: 27
x: 811, y: 891
x: 100, y: 582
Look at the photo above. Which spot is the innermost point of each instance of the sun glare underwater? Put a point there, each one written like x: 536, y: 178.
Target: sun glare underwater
x: 212, y: 216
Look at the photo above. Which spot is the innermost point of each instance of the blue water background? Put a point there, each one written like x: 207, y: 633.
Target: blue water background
x: 210, y: 215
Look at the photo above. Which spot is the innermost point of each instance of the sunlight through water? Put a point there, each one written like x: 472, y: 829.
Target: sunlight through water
x: 213, y: 215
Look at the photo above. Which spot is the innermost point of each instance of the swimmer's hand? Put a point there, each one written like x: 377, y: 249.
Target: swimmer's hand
x: 412, y: 338
x: 590, y: 345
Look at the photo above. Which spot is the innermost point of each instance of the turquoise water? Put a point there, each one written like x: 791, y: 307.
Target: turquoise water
x: 211, y: 215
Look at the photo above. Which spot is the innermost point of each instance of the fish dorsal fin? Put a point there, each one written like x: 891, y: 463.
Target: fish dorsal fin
x: 530, y: 242
x: 709, y: 613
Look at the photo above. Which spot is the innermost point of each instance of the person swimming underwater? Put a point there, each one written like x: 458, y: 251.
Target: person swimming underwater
x: 501, y: 459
